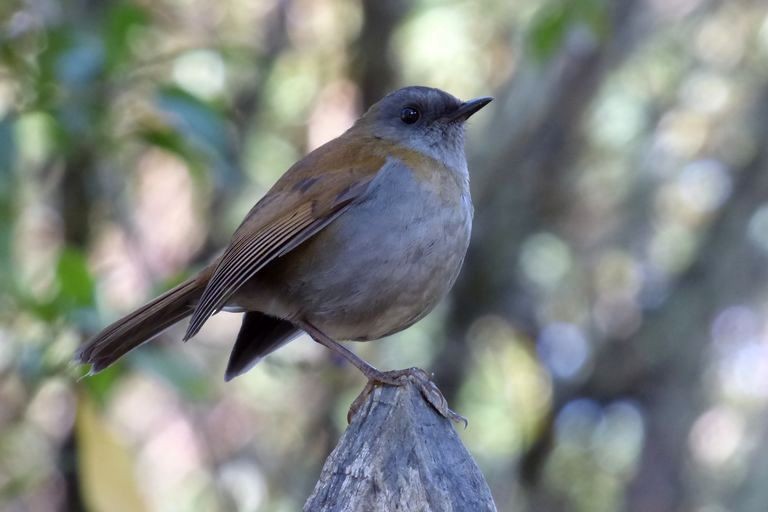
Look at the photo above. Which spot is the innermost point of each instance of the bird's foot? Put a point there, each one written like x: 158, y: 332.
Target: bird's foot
x: 420, y: 378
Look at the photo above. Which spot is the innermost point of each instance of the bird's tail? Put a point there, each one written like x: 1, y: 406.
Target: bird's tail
x: 141, y: 326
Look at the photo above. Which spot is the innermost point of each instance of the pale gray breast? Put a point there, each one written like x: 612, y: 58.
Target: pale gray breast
x: 383, y: 264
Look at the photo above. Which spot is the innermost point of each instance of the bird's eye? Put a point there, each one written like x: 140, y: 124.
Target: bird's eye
x: 409, y: 115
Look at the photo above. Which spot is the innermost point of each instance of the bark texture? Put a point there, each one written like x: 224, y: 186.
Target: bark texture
x: 400, y: 454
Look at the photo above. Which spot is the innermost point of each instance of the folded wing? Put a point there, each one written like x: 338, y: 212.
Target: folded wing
x: 306, y: 199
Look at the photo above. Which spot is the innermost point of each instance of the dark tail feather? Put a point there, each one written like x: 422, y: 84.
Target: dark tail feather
x: 259, y: 335
x: 140, y: 326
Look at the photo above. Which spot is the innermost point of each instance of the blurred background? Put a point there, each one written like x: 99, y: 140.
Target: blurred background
x: 607, y: 338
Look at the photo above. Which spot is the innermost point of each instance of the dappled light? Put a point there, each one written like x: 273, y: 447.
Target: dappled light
x: 607, y: 337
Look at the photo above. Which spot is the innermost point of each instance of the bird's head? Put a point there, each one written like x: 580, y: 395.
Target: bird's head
x: 423, y: 119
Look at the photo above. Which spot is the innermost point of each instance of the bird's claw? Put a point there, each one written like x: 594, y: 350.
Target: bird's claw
x: 421, y: 379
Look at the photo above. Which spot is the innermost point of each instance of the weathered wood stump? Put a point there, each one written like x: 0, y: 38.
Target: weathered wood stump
x: 399, y: 454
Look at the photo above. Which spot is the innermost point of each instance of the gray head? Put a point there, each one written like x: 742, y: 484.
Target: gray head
x: 424, y: 119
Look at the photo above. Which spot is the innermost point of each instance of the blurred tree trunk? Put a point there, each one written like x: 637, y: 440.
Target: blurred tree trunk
x: 78, y: 190
x: 247, y: 102
x: 752, y: 494
x: 520, y: 180
x: 521, y: 187
x: 661, y: 366
x: 373, y: 67
x: 76, y: 199
x: 246, y: 107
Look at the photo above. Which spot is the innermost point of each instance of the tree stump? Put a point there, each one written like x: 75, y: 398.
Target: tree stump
x: 399, y: 454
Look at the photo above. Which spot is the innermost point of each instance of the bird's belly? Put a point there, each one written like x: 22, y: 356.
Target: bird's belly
x: 382, y: 279
x: 378, y: 268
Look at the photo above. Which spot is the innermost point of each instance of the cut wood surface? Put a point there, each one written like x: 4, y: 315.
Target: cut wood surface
x: 399, y: 454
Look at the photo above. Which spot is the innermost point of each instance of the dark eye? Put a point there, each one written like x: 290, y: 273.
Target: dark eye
x: 409, y: 115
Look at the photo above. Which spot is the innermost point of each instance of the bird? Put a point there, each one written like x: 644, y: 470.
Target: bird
x: 358, y: 240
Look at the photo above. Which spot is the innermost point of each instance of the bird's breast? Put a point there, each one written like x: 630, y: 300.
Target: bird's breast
x: 385, y: 262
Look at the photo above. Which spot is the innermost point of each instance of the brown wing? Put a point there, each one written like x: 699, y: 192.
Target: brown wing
x: 309, y: 196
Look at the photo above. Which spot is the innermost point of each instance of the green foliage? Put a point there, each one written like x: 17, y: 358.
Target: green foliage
x: 196, y: 131
x: 76, y: 284
x: 101, y: 385
x: 554, y: 21
x: 7, y: 204
x: 7, y: 154
x: 123, y: 23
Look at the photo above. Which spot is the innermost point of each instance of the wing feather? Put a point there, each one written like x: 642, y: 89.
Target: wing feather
x: 241, y: 262
x: 300, y: 204
x: 250, y: 249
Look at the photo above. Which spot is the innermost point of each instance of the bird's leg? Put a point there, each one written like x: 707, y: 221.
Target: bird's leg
x: 376, y: 377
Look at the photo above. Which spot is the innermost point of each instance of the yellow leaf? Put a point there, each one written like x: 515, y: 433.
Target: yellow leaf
x: 106, y: 466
